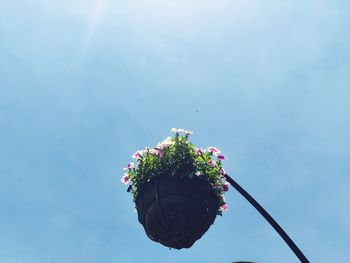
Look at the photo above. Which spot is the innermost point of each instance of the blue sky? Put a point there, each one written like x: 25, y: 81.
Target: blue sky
x: 84, y: 84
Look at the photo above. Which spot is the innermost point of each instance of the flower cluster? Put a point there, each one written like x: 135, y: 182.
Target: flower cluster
x: 176, y: 156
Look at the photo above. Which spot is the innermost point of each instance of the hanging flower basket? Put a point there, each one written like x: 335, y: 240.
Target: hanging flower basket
x: 178, y: 189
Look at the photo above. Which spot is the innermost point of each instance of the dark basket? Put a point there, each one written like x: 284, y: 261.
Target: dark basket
x: 176, y: 211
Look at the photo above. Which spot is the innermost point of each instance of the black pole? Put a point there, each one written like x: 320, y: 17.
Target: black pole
x: 269, y: 219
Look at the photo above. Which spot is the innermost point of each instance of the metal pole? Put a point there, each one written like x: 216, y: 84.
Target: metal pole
x: 269, y: 219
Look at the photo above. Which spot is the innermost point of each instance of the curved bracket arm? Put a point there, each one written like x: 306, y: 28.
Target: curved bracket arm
x: 269, y: 219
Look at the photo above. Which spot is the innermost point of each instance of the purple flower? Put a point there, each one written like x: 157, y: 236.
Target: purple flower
x: 213, y: 150
x: 221, y: 157
x: 222, y: 171
x: 225, y: 186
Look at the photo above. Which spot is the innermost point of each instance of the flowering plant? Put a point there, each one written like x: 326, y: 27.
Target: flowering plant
x: 176, y: 156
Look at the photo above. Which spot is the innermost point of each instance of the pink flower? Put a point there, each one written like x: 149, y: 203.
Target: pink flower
x: 225, y: 186
x: 137, y: 155
x: 224, y: 207
x: 125, y: 179
x: 212, y: 163
x: 213, y: 150
x: 222, y: 171
x: 221, y: 157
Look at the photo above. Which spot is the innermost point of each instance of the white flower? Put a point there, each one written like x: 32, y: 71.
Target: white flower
x: 188, y: 132
x: 167, y: 142
x: 154, y: 151
x: 129, y: 166
x: 125, y: 179
x: 174, y: 130
x: 199, y: 151
x: 157, y: 151
x: 223, y: 197
x: 198, y: 173
x: 180, y: 130
x: 137, y: 155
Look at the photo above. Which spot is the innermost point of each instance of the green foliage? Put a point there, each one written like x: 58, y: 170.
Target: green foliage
x: 177, y: 157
